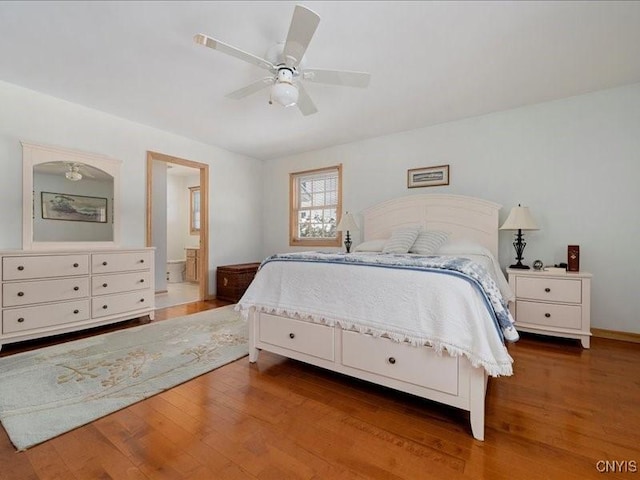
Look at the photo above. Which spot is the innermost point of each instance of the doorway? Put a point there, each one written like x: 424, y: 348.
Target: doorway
x: 156, y: 221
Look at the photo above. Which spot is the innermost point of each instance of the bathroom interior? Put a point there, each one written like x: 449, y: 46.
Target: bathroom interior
x: 183, y: 237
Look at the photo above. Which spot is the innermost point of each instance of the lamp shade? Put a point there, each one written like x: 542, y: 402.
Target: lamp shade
x: 347, y: 222
x: 519, y: 218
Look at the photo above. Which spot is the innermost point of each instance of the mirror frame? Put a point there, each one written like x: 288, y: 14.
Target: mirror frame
x: 34, y: 154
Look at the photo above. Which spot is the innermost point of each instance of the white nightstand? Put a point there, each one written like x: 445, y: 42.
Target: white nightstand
x: 557, y: 304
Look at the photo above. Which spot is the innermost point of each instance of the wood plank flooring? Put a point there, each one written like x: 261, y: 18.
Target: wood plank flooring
x: 564, y: 410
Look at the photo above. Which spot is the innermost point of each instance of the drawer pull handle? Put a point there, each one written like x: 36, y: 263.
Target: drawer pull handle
x: 142, y: 299
x: 20, y: 320
x: 76, y: 288
x: 548, y: 315
x: 142, y: 280
x: 142, y: 260
x: 76, y: 312
x: 104, y: 285
x: 392, y: 360
x: 104, y: 307
x: 104, y: 263
x: 225, y: 281
x: 20, y: 267
x: 75, y: 265
x: 292, y: 335
x: 21, y: 294
x: 547, y: 289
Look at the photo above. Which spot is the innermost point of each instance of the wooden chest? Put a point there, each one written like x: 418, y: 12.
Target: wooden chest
x: 233, y: 280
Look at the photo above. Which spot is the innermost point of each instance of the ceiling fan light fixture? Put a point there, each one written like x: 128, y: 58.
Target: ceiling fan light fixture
x: 73, y: 176
x: 284, y: 93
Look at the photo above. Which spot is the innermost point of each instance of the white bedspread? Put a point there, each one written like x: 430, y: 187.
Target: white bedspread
x: 421, y: 308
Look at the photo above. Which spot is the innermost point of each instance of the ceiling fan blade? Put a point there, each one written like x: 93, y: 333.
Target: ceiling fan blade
x: 233, y: 51
x: 303, y: 26
x: 251, y: 88
x: 304, y: 102
x: 336, y: 77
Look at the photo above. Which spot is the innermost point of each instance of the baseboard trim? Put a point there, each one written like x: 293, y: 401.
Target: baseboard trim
x: 615, y: 335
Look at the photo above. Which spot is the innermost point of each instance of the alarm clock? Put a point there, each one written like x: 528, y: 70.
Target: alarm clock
x: 537, y: 265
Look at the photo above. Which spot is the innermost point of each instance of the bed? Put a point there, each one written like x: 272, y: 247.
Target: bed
x: 332, y: 324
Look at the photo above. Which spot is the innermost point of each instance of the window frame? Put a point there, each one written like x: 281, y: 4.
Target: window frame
x: 293, y: 209
x: 193, y: 230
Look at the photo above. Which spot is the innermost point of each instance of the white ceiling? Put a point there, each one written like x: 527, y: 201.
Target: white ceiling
x: 431, y: 62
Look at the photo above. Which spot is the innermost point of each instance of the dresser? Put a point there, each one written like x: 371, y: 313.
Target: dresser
x: 48, y: 293
x: 233, y: 280
x: 556, y: 304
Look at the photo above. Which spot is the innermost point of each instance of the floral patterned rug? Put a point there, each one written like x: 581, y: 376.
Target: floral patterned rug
x: 47, y: 392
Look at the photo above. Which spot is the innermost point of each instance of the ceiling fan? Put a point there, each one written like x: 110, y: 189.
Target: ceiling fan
x: 73, y: 172
x: 285, y: 63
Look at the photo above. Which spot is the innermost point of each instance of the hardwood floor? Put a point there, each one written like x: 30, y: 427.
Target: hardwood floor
x: 564, y: 410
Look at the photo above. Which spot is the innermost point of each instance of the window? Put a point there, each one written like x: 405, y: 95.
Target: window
x: 316, y: 200
x: 194, y: 211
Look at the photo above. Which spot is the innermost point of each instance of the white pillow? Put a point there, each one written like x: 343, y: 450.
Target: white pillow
x: 428, y: 242
x: 401, y: 239
x: 371, y: 246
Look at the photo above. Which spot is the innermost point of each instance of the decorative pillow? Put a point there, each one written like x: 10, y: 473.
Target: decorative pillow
x: 371, y: 246
x: 428, y: 242
x: 401, y: 240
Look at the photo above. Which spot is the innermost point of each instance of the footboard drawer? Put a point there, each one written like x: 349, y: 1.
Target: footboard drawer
x: 304, y: 337
x: 417, y: 365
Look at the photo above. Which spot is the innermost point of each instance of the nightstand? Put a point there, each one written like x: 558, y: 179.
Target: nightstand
x: 556, y: 304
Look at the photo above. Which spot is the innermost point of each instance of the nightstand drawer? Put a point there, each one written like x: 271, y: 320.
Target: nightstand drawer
x: 548, y: 314
x: 549, y: 289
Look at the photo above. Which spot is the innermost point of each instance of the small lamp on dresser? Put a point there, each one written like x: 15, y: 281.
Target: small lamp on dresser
x: 347, y: 223
x: 519, y: 219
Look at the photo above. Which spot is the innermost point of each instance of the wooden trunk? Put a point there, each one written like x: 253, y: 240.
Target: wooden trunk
x: 233, y: 280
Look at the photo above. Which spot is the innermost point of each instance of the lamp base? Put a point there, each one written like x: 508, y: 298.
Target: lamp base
x: 520, y: 266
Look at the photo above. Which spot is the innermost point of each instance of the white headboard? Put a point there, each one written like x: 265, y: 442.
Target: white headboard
x: 463, y: 217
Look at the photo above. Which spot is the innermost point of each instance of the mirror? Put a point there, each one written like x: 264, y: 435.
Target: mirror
x: 70, y: 199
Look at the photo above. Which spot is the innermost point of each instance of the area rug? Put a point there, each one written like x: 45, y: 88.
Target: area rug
x: 46, y: 392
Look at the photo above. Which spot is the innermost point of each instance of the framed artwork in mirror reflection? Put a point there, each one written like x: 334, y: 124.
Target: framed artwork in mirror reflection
x: 75, y: 208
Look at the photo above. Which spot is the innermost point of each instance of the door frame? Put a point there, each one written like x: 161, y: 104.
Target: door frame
x: 203, y: 263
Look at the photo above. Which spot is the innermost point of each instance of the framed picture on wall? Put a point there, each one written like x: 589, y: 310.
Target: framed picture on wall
x: 76, y: 208
x: 428, y: 176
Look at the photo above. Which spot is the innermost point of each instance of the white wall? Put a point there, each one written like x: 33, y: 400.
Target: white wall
x: 574, y: 162
x: 235, y: 184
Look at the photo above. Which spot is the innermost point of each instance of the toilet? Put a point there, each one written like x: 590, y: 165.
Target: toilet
x: 175, y: 271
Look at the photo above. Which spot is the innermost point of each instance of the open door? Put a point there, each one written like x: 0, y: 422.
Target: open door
x: 156, y: 206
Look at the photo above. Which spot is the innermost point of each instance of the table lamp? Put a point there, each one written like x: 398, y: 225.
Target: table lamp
x: 519, y: 219
x: 347, y: 222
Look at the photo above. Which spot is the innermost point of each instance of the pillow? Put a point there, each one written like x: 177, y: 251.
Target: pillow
x: 428, y: 242
x: 401, y: 240
x: 371, y: 246
x: 459, y: 247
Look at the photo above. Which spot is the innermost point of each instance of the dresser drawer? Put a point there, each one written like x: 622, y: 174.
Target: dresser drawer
x: 123, y: 303
x: 121, y: 262
x: 121, y: 282
x: 547, y: 314
x: 418, y: 365
x: 549, y: 289
x: 304, y: 337
x: 31, y: 318
x: 43, y: 266
x: 23, y: 293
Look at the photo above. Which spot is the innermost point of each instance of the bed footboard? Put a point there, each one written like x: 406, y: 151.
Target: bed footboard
x: 441, y: 378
